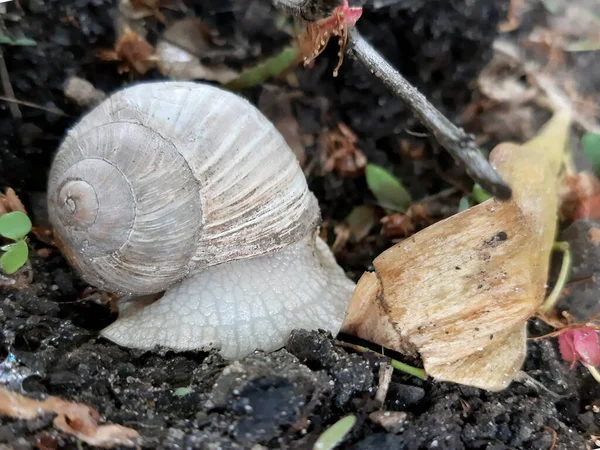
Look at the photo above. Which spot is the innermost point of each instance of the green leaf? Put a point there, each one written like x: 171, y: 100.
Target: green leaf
x: 25, y: 42
x: 333, y: 435
x: 360, y: 221
x: 261, y: 72
x: 14, y: 225
x: 387, y: 189
x: 585, y: 45
x: 22, y: 42
x: 182, y: 391
x: 552, y: 6
x: 15, y: 257
x: 591, y: 148
x: 464, y: 203
x: 479, y: 194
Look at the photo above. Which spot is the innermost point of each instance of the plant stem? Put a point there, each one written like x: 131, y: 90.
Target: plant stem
x: 594, y: 372
x: 411, y: 370
x: 563, y: 275
x: 459, y: 144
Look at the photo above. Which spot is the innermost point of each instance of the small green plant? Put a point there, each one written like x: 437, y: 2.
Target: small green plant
x: 269, y: 68
x: 590, y: 142
x: 334, y: 435
x: 20, y: 42
x: 477, y: 195
x: 14, y: 226
x: 387, y: 189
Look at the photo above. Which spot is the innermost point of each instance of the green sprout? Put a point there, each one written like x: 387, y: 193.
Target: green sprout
x: 14, y: 226
x: 387, y: 189
x: 20, y: 42
x: 333, y: 435
x: 590, y: 143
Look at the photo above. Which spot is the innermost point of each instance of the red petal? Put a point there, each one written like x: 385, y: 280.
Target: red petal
x: 566, y: 347
x: 585, y: 341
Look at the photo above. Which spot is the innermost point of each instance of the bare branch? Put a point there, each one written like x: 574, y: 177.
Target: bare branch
x: 459, y: 144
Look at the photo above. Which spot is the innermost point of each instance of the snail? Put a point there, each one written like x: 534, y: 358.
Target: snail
x: 187, y: 189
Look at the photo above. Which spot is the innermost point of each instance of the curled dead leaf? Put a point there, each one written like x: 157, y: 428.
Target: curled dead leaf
x: 76, y: 419
x: 10, y: 201
x: 132, y: 51
x: 460, y: 291
x: 339, y: 153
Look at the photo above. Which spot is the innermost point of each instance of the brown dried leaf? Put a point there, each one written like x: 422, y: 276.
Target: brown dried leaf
x: 339, y: 154
x: 577, y: 194
x: 133, y: 51
x: 73, y: 418
x: 461, y: 290
x: 10, y: 201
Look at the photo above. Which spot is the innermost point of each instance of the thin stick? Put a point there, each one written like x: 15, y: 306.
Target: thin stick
x: 385, y: 377
x: 33, y: 105
x: 7, y: 87
x: 459, y: 144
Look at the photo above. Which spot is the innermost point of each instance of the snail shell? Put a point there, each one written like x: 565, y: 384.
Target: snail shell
x: 187, y: 188
x: 165, y: 179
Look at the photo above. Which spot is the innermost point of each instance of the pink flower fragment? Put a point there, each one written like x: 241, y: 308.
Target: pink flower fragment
x: 580, y: 344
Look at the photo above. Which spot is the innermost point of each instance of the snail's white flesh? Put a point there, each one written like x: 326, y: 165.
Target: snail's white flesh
x: 187, y: 188
x: 243, y: 305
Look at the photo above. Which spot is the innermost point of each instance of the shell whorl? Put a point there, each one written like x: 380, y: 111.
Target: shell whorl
x: 166, y: 178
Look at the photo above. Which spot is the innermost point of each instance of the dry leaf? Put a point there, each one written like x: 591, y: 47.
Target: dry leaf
x: 179, y: 51
x: 460, y: 291
x: 10, y: 201
x: 339, y: 154
x: 579, y: 196
x: 133, y: 52
x: 76, y: 419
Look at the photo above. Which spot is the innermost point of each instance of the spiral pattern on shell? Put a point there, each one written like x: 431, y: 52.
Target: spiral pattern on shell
x: 164, y: 179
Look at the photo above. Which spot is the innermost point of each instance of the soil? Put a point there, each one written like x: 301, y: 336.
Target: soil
x: 286, y: 399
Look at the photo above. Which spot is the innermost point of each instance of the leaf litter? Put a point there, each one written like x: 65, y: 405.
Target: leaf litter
x: 459, y: 292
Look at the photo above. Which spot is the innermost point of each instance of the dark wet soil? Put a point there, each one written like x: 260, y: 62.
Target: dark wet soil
x: 50, y: 342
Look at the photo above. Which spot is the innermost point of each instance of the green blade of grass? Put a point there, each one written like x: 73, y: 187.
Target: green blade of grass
x: 333, y: 435
x: 269, y: 68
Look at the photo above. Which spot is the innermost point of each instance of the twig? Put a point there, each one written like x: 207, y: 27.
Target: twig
x: 8, y: 90
x: 33, y: 105
x: 459, y: 144
x: 385, y: 377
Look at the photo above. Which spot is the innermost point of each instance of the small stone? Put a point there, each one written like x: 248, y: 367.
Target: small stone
x: 82, y: 92
x: 392, y: 421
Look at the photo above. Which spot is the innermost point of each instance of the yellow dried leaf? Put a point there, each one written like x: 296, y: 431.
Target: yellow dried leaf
x: 461, y: 290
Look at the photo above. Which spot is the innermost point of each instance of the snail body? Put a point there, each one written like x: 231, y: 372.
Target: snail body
x: 186, y: 188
